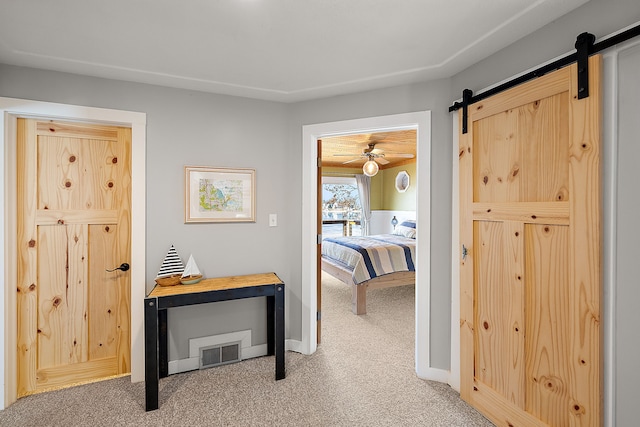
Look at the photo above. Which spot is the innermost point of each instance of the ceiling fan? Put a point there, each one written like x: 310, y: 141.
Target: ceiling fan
x: 374, y: 156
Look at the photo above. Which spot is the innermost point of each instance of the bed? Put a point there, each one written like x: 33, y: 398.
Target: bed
x: 371, y: 262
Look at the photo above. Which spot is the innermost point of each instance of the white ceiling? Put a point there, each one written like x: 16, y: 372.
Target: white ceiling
x: 282, y: 50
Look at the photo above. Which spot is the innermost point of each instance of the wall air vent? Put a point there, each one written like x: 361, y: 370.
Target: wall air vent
x: 220, y: 354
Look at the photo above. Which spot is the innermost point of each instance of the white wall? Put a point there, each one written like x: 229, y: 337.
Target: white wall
x: 381, y: 220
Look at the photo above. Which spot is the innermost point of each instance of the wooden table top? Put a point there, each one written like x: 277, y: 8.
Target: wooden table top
x: 218, y: 284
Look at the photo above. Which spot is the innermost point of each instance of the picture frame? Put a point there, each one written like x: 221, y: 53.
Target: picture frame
x: 219, y: 194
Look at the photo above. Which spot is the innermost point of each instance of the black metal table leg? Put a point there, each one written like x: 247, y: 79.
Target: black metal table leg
x: 278, y: 321
x: 271, y: 325
x: 151, y: 378
x: 163, y: 344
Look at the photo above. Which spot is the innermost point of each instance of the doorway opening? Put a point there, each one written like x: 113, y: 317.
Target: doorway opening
x: 421, y: 122
x: 358, y: 201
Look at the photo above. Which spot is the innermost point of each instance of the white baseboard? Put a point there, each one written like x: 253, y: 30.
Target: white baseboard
x: 434, y: 374
x: 184, y: 365
x: 293, y: 345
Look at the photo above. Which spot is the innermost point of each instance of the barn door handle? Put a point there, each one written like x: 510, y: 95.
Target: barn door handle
x: 124, y: 267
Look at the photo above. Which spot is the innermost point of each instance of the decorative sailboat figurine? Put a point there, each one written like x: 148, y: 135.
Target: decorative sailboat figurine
x: 171, y: 269
x: 191, y: 273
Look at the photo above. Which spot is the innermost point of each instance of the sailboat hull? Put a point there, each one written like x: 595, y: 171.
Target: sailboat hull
x: 191, y: 280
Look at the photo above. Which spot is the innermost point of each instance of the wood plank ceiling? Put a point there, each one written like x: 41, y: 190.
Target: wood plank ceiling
x: 346, y: 151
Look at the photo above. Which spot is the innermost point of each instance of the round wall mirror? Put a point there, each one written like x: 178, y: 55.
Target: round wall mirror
x: 402, y: 181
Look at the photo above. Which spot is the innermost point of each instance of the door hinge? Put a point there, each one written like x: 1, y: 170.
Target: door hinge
x: 318, y: 316
x: 319, y: 162
x: 319, y: 239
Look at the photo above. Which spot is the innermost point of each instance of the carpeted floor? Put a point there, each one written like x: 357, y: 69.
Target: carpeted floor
x: 363, y: 374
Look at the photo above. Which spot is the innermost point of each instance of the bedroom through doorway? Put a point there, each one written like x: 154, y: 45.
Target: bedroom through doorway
x: 419, y: 123
x: 367, y: 212
x: 358, y: 205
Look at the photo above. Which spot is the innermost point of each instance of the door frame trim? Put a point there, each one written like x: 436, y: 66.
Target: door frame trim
x: 420, y: 120
x: 10, y: 110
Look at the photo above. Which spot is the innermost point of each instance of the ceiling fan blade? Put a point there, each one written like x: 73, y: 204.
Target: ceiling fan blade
x: 401, y: 155
x: 382, y: 160
x: 350, y: 161
x: 347, y: 155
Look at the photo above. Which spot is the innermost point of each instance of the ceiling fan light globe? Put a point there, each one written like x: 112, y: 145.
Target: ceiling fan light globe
x: 370, y: 168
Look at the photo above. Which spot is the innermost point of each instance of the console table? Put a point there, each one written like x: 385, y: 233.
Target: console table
x: 206, y: 291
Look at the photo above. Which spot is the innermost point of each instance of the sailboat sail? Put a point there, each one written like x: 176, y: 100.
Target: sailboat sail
x: 171, y: 265
x: 191, y: 269
x: 191, y: 273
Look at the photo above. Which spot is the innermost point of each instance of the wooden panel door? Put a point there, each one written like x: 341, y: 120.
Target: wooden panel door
x: 531, y: 254
x: 74, y: 198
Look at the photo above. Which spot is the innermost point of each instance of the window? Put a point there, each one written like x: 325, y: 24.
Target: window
x: 341, y: 210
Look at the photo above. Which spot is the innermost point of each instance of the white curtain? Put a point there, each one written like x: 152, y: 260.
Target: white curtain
x: 364, y: 186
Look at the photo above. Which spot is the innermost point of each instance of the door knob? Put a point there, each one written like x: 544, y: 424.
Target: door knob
x: 124, y: 267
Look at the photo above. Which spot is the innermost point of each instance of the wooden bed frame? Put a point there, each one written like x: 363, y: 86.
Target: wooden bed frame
x: 359, y: 292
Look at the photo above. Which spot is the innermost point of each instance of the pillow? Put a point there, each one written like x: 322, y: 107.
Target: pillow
x: 406, y: 229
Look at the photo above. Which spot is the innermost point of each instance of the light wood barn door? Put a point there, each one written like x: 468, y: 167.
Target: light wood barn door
x: 531, y: 253
x: 74, y: 221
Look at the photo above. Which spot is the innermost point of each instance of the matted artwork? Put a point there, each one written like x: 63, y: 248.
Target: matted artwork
x: 219, y: 194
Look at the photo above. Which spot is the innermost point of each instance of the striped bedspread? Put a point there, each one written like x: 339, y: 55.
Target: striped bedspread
x: 371, y: 256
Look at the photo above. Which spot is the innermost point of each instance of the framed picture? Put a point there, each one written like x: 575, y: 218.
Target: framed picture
x: 219, y: 194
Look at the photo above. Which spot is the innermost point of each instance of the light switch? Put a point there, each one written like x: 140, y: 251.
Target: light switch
x: 273, y: 220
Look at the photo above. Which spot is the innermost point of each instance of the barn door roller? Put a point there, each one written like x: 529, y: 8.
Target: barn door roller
x: 467, y: 94
x: 584, y: 48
